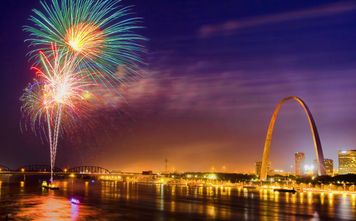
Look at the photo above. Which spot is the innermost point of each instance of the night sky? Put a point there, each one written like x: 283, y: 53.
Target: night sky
x: 215, y: 71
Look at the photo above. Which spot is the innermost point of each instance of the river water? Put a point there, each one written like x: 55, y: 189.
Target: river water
x: 135, y: 201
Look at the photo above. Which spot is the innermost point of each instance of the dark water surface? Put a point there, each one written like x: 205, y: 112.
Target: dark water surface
x: 133, y: 201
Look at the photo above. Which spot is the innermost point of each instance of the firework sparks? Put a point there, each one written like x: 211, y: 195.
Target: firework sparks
x: 100, y: 33
x: 85, y: 39
x: 79, y: 47
x: 60, y: 91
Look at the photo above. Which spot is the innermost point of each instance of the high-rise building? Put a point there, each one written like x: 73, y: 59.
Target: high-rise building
x: 347, y: 161
x: 259, y: 166
x: 299, y: 159
x: 329, y: 166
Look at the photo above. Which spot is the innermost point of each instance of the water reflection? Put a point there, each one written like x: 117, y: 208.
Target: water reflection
x: 51, y: 207
x: 112, y: 200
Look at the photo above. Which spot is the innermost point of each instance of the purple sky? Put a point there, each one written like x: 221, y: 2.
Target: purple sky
x: 215, y: 72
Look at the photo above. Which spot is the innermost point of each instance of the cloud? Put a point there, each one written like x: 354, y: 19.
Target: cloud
x: 236, y: 91
x: 231, y: 26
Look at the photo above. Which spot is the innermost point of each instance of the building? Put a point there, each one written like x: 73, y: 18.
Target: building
x: 347, y: 161
x: 299, y: 159
x: 329, y: 166
x: 278, y: 172
x: 147, y: 172
x: 259, y: 166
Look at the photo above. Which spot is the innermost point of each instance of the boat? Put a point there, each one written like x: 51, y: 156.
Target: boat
x: 49, y: 186
x: 282, y: 190
x: 74, y: 201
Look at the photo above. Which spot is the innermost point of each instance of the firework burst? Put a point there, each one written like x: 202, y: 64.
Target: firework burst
x: 79, y: 48
x: 99, y: 32
x: 60, y: 91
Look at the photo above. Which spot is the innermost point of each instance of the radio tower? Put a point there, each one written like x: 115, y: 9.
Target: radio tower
x: 166, y: 165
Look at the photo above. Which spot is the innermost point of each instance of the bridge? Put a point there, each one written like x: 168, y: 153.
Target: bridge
x: 38, y: 168
x: 89, y: 170
x: 314, y: 131
x: 44, y: 168
x: 4, y: 168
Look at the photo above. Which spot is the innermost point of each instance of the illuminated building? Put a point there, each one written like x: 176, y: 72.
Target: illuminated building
x: 147, y: 172
x: 299, y: 159
x: 278, y: 172
x: 259, y: 166
x: 347, y: 161
x: 329, y: 166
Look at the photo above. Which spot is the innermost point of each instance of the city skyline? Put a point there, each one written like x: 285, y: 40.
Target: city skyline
x: 177, y: 110
x: 209, y: 89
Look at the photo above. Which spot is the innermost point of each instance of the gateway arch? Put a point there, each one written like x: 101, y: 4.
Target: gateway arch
x: 314, y: 131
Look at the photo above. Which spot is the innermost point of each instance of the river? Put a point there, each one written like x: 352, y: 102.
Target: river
x: 104, y: 200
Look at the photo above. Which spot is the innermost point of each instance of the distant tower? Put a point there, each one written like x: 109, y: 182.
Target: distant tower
x: 258, y: 168
x: 299, y: 159
x: 166, y: 165
x: 329, y: 166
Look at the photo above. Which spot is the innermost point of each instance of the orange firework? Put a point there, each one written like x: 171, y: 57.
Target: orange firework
x: 100, y: 33
x: 86, y: 39
x: 60, y: 91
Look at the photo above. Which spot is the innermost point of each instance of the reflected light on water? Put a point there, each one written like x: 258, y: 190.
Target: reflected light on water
x: 276, y: 196
x: 173, y: 206
x: 322, y: 198
x: 51, y: 207
x: 211, y: 211
x: 310, y: 198
x: 294, y: 198
x: 331, y: 199
x: 301, y: 198
x: 109, y: 200
x: 74, y: 211
x: 65, y: 185
x: 86, y: 187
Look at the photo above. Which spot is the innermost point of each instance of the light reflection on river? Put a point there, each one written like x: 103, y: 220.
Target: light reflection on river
x: 133, y: 201
x: 51, y: 207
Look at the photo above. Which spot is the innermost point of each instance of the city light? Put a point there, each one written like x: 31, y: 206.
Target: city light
x: 308, y: 168
x: 212, y: 176
x: 168, y: 110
